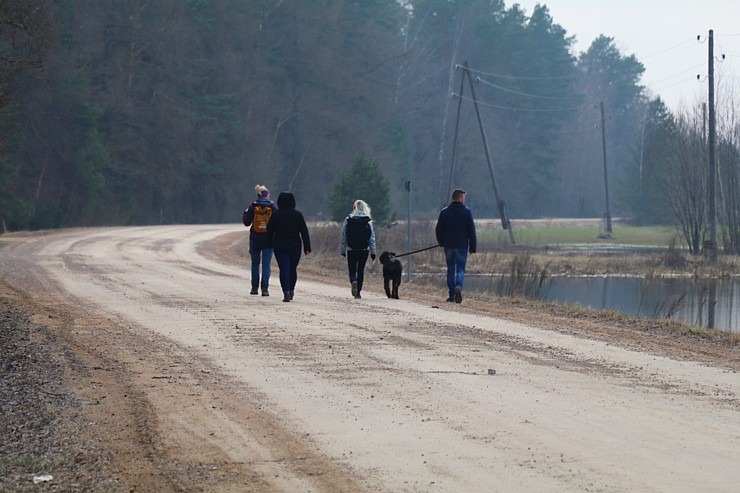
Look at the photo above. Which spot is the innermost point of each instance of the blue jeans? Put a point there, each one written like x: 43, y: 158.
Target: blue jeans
x: 287, y: 261
x: 260, y: 254
x: 456, y: 259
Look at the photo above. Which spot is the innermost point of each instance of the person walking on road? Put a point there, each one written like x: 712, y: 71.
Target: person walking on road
x: 287, y: 234
x: 455, y: 232
x: 356, y: 242
x: 256, y: 217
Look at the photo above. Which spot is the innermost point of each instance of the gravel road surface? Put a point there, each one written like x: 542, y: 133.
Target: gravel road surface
x: 188, y: 383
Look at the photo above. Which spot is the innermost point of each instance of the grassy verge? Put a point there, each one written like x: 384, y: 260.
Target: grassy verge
x: 541, y: 243
x: 540, y: 235
x: 524, y: 266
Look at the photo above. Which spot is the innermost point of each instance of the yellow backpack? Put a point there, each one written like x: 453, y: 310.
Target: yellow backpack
x: 262, y: 215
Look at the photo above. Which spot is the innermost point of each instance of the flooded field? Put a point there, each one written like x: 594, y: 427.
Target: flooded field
x: 711, y: 303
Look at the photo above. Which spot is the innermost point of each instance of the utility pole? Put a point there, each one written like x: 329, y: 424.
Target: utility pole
x: 446, y: 198
x: 504, y: 215
x: 407, y: 186
x: 710, y: 247
x: 607, y: 215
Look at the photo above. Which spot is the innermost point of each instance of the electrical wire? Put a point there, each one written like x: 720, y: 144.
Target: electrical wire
x: 513, y: 77
x: 692, y: 40
x: 509, y: 108
x: 524, y: 93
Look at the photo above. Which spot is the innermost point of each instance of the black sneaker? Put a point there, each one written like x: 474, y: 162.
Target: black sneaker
x: 254, y: 291
x: 265, y: 292
x: 354, y: 289
x: 286, y: 297
x: 458, y: 295
x: 450, y: 300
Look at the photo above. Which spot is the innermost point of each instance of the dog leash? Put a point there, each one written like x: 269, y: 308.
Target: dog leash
x: 415, y: 251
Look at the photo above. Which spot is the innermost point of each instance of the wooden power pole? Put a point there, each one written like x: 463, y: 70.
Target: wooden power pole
x: 710, y: 247
x: 607, y: 214
x: 501, y: 204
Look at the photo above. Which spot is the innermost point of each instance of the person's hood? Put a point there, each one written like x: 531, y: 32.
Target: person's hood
x: 286, y: 200
x: 263, y: 201
x: 361, y: 217
x: 456, y: 207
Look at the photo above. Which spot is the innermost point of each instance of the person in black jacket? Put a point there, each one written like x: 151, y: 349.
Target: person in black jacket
x: 456, y: 233
x: 357, y: 240
x: 287, y: 234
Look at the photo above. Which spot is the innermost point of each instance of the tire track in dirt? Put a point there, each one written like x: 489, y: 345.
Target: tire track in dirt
x: 343, y: 379
x: 168, y: 418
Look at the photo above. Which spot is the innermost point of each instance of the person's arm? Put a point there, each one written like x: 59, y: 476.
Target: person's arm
x: 248, y: 215
x: 343, y: 239
x: 271, y: 225
x: 439, y: 231
x: 304, y: 236
x: 472, y: 238
x: 372, y: 241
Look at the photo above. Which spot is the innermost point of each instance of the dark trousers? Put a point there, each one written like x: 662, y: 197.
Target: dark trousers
x: 287, y: 261
x: 356, y: 260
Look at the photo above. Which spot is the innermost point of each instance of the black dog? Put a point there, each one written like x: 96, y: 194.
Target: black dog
x: 392, y: 270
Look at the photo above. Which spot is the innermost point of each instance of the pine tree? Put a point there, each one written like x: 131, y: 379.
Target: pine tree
x: 363, y: 181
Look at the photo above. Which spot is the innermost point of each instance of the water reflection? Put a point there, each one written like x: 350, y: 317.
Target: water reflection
x: 707, y: 303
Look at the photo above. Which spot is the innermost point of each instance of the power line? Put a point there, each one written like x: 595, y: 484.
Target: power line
x: 509, y: 108
x: 680, y: 73
x: 671, y: 48
x: 587, y: 129
x: 653, y: 86
x: 478, y: 79
x: 514, y: 77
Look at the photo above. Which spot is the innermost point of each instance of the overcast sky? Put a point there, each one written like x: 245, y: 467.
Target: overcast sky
x: 662, y: 35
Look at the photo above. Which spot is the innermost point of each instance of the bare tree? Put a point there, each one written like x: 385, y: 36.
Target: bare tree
x: 684, y: 177
x: 728, y: 176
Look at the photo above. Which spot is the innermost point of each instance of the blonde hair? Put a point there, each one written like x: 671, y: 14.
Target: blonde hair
x: 261, y: 189
x: 360, y: 205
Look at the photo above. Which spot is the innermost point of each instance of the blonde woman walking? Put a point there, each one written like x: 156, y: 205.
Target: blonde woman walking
x: 256, y: 217
x: 356, y: 243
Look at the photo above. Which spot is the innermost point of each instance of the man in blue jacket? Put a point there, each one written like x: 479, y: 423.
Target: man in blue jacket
x: 456, y: 233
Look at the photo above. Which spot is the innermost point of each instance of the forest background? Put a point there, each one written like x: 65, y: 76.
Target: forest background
x: 169, y: 111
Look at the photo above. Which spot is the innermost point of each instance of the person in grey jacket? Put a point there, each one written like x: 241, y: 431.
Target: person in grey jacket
x: 455, y: 232
x: 357, y: 240
x: 287, y: 235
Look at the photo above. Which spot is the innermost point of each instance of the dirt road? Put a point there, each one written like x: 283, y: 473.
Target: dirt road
x: 193, y: 385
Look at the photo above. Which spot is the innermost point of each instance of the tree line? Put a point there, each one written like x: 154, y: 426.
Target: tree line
x: 169, y: 111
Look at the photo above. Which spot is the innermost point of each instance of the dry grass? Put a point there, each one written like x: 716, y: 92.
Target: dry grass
x: 326, y: 265
x: 495, y: 257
